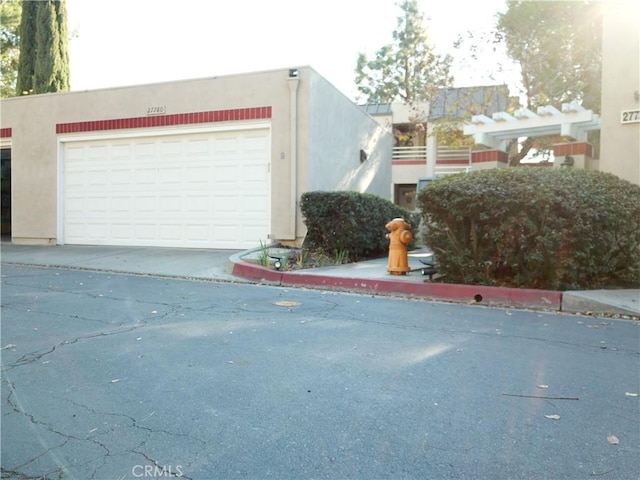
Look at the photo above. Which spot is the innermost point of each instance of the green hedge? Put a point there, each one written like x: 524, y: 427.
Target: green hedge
x: 351, y: 221
x: 534, y: 227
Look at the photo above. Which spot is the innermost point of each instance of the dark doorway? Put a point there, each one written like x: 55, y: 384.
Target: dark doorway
x: 405, y: 195
x: 5, y: 162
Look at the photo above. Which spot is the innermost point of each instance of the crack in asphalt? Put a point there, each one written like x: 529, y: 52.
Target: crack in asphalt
x: 16, y: 406
x: 14, y: 474
x: 56, y: 314
x: 13, y: 401
x: 148, y: 430
x: 31, y: 357
x: 79, y: 294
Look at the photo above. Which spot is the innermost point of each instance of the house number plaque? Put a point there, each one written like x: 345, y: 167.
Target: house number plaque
x: 159, y: 110
x: 630, y: 116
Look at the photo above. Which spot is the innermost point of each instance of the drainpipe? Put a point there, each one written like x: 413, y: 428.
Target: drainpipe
x: 293, y: 129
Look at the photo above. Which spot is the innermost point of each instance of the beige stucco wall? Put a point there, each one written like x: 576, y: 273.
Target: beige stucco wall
x: 35, y: 149
x: 297, y: 137
x: 405, y: 174
x: 338, y: 130
x: 620, y: 143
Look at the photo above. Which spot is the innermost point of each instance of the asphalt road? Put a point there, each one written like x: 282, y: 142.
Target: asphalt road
x: 108, y: 376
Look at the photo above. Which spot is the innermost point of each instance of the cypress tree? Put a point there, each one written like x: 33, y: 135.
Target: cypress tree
x: 27, y: 60
x: 44, y: 55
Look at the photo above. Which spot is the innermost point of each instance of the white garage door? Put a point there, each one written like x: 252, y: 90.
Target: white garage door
x: 199, y: 190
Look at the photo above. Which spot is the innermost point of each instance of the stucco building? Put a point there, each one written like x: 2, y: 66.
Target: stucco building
x: 212, y: 163
x: 620, y: 115
x: 618, y: 122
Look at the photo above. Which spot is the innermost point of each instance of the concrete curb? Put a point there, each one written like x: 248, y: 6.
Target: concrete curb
x: 476, y: 294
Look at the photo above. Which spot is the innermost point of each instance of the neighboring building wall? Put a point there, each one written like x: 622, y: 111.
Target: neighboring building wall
x: 337, y: 131
x: 620, y: 143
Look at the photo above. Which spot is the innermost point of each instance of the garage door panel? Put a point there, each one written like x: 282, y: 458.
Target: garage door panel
x: 170, y: 148
x: 120, y: 232
x: 122, y: 151
x: 144, y: 206
x: 170, y: 175
x: 196, y: 175
x: 144, y: 149
x: 144, y: 231
x: 120, y: 176
x: 199, y: 190
x: 97, y: 152
x: 97, y: 205
x: 145, y: 176
x: 226, y: 173
x: 171, y: 204
x: 227, y: 232
x: 226, y: 204
x: 252, y: 205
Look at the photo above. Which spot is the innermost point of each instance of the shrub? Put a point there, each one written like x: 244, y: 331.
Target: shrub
x: 350, y: 222
x: 534, y: 227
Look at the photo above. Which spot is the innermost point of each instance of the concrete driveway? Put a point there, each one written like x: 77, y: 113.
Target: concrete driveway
x: 205, y: 264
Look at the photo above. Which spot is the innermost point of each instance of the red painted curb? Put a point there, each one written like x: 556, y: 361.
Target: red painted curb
x: 256, y: 273
x: 479, y: 294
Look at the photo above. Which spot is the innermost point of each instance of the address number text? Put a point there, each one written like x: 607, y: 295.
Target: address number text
x: 630, y: 116
x: 156, y: 110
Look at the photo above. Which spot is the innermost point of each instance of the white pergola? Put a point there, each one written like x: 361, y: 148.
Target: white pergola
x: 573, y: 123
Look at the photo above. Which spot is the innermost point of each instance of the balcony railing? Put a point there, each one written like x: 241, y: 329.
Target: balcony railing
x: 442, y: 170
x: 449, y: 160
x: 452, y: 160
x: 446, y: 153
x: 409, y: 153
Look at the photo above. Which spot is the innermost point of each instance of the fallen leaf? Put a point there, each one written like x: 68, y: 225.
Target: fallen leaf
x: 542, y: 386
x: 286, y: 304
x: 115, y: 380
x: 613, y: 440
x: 629, y: 394
x: 552, y: 417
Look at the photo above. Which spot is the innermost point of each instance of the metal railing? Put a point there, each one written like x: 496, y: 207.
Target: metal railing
x: 461, y: 157
x: 441, y: 170
x: 446, y: 153
x: 409, y: 153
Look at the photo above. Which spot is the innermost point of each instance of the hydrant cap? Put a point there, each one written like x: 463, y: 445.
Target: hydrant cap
x: 405, y: 236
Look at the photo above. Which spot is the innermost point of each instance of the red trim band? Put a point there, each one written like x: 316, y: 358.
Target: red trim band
x: 408, y: 162
x: 253, y: 113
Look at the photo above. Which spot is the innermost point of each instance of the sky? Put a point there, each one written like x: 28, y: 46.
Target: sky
x: 131, y: 42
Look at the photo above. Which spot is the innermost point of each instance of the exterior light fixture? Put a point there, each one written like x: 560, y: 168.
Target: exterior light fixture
x: 293, y: 73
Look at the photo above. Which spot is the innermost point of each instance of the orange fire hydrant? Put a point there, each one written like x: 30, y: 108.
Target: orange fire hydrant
x: 399, y: 238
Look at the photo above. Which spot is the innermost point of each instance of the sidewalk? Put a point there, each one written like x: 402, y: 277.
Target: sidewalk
x: 366, y: 277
